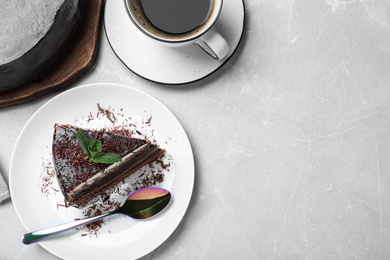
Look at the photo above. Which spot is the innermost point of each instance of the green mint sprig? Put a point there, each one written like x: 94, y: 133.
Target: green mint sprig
x: 93, y: 149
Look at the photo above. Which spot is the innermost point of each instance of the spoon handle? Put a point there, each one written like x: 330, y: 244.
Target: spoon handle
x: 37, y: 236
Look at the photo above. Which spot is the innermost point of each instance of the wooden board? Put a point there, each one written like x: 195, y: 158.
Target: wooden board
x: 80, y: 60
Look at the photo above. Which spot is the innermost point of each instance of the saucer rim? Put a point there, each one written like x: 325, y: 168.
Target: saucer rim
x: 187, y: 82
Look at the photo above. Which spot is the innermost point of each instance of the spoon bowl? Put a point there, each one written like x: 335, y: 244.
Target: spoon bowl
x: 140, y: 204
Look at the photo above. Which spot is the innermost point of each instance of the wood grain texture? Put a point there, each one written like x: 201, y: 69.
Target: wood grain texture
x: 79, y: 61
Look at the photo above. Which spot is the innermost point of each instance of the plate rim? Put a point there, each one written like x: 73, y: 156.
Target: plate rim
x: 190, y: 188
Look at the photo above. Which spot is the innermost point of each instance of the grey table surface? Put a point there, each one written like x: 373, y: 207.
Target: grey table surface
x: 291, y: 138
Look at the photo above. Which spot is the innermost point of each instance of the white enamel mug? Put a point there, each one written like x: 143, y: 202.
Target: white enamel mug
x: 206, y: 37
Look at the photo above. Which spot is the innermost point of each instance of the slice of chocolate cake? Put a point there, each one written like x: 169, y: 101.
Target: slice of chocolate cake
x: 82, y: 180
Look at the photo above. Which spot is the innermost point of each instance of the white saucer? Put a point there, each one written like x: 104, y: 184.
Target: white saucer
x: 163, y: 64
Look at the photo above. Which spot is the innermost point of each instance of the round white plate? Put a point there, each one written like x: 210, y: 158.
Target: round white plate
x: 123, y: 237
x: 163, y: 64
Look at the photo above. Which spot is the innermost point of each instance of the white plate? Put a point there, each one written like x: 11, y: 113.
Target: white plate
x: 123, y: 237
x: 163, y: 64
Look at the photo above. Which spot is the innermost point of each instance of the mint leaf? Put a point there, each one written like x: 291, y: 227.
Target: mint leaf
x: 93, y: 149
x: 84, y: 140
x: 107, y: 158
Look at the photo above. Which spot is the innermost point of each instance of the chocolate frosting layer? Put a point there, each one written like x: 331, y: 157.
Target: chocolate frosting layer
x: 73, y: 166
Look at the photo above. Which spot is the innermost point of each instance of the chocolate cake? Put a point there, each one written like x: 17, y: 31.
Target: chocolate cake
x: 34, y: 38
x: 80, y: 179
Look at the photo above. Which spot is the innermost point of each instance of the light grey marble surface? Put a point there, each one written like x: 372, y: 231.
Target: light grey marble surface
x: 291, y: 138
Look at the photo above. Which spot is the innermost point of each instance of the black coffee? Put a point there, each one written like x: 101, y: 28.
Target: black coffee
x: 172, y: 18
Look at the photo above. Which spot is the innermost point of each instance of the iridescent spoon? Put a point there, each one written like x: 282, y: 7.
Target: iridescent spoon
x: 141, y: 204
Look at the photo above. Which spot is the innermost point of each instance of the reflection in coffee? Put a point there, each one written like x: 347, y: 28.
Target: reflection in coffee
x: 173, y: 19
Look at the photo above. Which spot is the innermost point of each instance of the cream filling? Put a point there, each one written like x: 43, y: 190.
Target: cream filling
x: 107, y: 171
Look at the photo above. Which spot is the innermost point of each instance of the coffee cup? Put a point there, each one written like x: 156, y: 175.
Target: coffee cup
x: 177, y: 23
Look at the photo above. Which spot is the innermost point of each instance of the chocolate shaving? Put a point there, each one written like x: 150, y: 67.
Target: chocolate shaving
x: 107, y: 113
x: 152, y: 175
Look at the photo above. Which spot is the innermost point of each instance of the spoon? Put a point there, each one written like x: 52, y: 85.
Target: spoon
x: 141, y: 204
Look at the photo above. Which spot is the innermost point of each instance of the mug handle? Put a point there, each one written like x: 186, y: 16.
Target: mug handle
x: 213, y: 44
